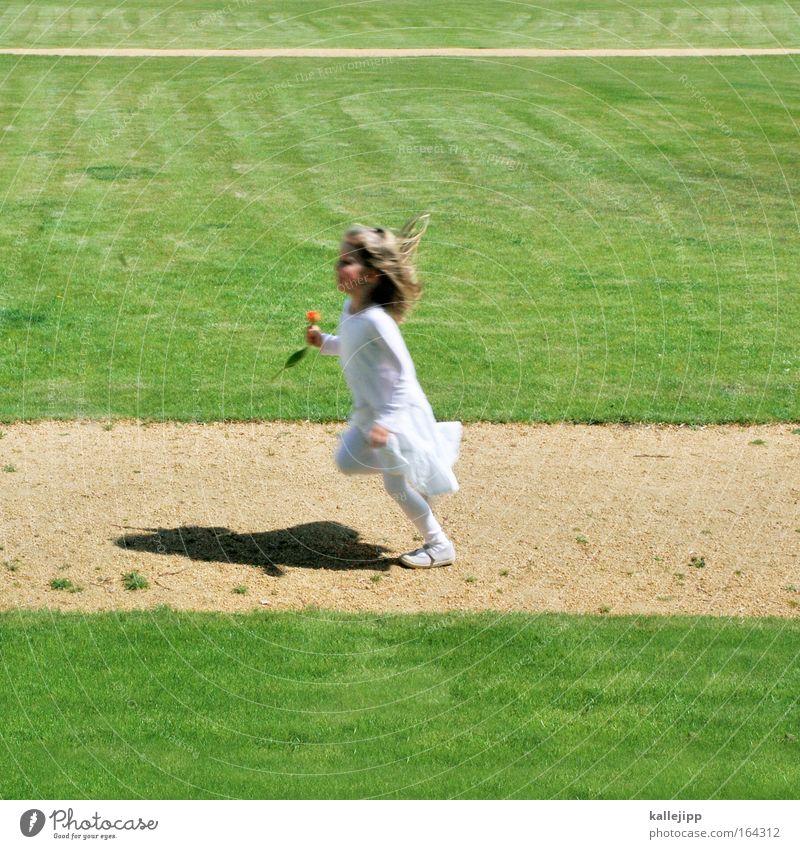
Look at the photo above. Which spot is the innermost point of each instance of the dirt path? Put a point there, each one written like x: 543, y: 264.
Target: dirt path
x: 555, y: 517
x: 399, y: 52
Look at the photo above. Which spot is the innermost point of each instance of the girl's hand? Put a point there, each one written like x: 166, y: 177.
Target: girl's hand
x: 313, y: 336
x: 378, y: 436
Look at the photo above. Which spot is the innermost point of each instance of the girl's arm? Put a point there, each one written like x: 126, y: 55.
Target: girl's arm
x: 387, y: 415
x: 330, y: 345
x: 392, y: 344
x: 330, y: 342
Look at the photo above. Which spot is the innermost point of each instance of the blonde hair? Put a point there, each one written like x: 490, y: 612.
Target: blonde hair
x: 398, y: 289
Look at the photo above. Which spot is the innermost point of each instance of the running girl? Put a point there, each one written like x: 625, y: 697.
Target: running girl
x: 392, y: 431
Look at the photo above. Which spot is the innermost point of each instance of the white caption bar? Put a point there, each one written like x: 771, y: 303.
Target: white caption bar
x: 417, y: 824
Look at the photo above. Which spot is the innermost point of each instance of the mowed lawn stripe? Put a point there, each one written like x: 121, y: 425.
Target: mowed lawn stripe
x: 609, y: 241
x: 390, y: 23
x: 321, y: 704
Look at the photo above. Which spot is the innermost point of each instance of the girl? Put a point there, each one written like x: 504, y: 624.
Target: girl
x: 392, y: 427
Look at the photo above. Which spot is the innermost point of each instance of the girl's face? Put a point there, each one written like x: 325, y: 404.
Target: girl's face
x: 350, y: 274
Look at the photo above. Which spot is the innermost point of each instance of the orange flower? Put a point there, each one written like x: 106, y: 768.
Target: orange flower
x: 313, y: 316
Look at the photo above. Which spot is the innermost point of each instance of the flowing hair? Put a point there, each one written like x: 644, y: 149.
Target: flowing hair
x: 393, y: 256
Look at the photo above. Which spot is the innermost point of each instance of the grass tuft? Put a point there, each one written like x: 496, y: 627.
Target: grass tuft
x: 135, y: 581
x: 65, y: 584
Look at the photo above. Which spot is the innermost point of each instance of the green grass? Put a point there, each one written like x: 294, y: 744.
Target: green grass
x: 320, y: 704
x: 65, y: 584
x: 610, y: 240
x: 389, y: 23
x: 135, y: 581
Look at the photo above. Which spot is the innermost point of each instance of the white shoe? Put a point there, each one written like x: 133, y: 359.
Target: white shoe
x: 430, y: 556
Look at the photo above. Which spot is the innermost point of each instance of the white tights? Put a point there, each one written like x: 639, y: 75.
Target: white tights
x: 354, y: 455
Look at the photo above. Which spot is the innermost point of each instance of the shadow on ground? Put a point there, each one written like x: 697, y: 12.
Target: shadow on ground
x: 314, y: 545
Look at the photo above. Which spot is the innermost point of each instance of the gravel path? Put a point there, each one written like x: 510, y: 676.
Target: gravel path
x: 399, y: 52
x: 644, y: 519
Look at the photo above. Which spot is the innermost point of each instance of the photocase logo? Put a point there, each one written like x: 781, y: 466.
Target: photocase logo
x: 31, y: 822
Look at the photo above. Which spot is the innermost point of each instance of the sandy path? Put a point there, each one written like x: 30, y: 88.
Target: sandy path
x: 399, y: 52
x: 558, y: 517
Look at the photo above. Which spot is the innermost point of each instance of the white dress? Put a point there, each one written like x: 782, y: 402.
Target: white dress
x: 383, y: 381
